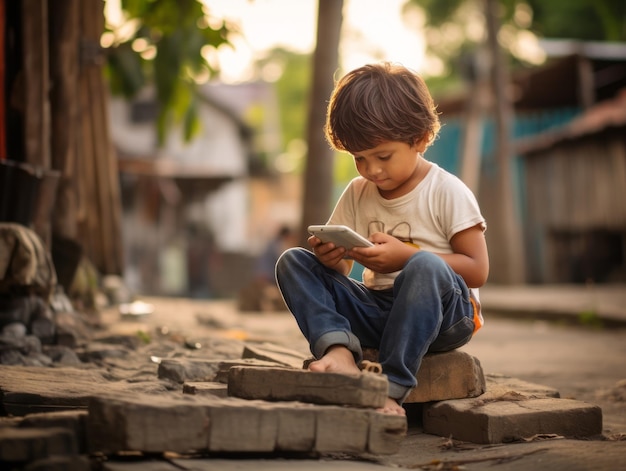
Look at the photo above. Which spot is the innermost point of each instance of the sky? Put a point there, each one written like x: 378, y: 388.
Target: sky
x: 372, y: 30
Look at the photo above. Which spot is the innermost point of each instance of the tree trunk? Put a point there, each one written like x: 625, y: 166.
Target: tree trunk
x: 318, y: 184
x: 64, y: 63
x: 508, y: 249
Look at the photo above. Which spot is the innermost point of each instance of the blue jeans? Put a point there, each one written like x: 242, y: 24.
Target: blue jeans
x: 427, y: 310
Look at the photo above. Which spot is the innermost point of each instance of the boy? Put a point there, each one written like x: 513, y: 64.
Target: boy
x: 418, y: 293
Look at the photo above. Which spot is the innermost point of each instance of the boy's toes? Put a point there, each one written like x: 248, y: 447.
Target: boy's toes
x: 371, y: 366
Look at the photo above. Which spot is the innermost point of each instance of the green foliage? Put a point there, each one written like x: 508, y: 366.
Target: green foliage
x: 292, y: 88
x: 598, y: 20
x: 178, y: 31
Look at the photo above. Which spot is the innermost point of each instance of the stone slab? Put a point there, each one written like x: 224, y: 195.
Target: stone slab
x: 449, y: 375
x: 24, y: 390
x: 72, y: 420
x: 274, y: 353
x: 206, y: 387
x: 189, y: 423
x: 287, y: 384
x: 28, y: 444
x: 180, y: 370
x: 511, y: 417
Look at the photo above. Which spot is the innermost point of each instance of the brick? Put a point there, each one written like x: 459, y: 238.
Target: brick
x: 274, y: 353
x: 60, y: 463
x: 21, y: 445
x: 511, y: 417
x: 286, y: 384
x: 156, y: 424
x: 180, y: 370
x: 449, y: 375
x: 341, y: 429
x: 497, y: 385
x: 206, y: 387
x: 297, y: 428
x: 243, y: 426
x: 386, y: 433
x: 74, y: 421
x: 148, y: 423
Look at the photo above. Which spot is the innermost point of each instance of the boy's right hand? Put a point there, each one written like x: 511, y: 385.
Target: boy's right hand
x: 329, y: 254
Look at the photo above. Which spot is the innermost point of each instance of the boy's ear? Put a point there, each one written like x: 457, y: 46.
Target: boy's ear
x: 421, y: 143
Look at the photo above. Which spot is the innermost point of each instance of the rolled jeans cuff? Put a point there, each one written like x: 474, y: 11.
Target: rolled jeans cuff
x: 339, y: 337
x: 398, y: 392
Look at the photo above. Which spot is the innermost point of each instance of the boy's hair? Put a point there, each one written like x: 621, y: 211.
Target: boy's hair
x: 377, y: 103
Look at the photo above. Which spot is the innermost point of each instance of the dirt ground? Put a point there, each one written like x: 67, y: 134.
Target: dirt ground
x: 582, y: 363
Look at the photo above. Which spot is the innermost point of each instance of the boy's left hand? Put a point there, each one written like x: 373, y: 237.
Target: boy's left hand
x: 388, y: 254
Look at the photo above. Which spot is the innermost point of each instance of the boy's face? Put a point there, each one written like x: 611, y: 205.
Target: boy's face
x: 392, y: 166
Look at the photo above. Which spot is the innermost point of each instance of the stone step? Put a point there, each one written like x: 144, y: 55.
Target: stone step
x: 512, y: 410
x: 287, y: 384
x: 449, y: 375
x: 441, y: 376
x: 180, y: 370
x: 206, y: 387
x: 202, y: 423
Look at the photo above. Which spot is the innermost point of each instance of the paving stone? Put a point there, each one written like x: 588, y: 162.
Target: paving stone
x: 341, y: 430
x: 243, y: 426
x: 59, y: 463
x: 449, y: 375
x: 498, y: 385
x: 180, y: 370
x: 203, y: 423
x: 510, y: 417
x: 72, y: 420
x: 35, y: 389
x: 274, y: 353
x: 26, y: 390
x: 23, y: 445
x: 205, y: 387
x: 290, y: 384
x: 386, y: 432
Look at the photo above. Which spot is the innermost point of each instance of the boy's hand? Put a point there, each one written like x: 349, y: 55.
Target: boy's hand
x: 388, y: 254
x: 329, y: 254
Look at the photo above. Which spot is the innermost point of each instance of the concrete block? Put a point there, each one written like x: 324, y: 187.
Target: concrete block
x: 386, y: 433
x: 341, y: 429
x: 60, y: 463
x: 147, y: 423
x: 180, y: 370
x: 297, y: 428
x: 274, y: 353
x: 286, y: 384
x: 72, y: 420
x: 28, y: 444
x: 202, y: 423
x: 499, y: 385
x: 511, y: 417
x: 448, y: 375
x: 243, y: 426
x: 206, y: 387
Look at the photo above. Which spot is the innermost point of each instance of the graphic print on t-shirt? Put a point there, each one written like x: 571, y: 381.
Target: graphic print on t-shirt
x: 401, y: 231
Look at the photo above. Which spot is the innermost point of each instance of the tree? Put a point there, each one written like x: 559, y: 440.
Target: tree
x: 319, y: 164
x: 169, y: 47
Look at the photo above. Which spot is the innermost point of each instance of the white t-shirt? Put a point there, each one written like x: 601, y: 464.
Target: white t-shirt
x: 440, y: 206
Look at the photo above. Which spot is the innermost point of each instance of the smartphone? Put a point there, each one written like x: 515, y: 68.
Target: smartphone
x: 341, y: 236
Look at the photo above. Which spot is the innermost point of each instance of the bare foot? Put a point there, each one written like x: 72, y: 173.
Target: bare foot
x: 337, y: 359
x: 391, y: 407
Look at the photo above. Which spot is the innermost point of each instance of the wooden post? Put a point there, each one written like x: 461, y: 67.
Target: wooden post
x: 3, y: 137
x: 64, y: 101
x: 508, y: 260
x: 36, y: 83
